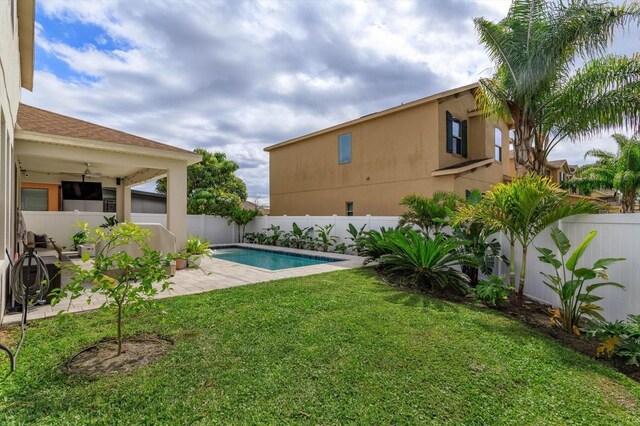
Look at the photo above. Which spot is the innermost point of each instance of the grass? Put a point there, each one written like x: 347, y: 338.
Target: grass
x: 333, y: 348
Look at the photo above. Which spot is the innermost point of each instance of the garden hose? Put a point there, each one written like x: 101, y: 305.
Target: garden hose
x: 26, y: 293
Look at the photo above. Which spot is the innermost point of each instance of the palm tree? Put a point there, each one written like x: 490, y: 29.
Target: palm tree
x: 242, y: 217
x: 429, y: 214
x: 536, y: 87
x: 522, y: 210
x: 619, y: 171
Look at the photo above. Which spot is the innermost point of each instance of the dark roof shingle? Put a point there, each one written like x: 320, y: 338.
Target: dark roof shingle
x: 34, y: 119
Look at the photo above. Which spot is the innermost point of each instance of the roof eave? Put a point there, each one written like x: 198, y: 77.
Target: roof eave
x: 463, y: 169
x: 26, y: 36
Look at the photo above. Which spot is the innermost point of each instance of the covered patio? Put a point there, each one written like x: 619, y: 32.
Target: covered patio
x: 51, y: 148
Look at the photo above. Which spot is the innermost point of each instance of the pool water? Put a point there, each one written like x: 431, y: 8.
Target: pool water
x: 267, y: 259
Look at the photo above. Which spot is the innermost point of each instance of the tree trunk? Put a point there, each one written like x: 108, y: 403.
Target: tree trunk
x: 523, y: 274
x: 119, y: 328
x: 512, y: 265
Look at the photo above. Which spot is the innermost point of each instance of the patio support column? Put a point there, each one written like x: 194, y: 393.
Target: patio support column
x: 177, y: 203
x: 123, y: 203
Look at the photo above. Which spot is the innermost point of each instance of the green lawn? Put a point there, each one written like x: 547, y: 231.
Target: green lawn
x: 326, y: 349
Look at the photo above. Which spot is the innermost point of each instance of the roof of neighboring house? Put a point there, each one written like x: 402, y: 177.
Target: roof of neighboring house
x: 139, y: 193
x: 556, y: 164
x: 378, y: 114
x: 34, y: 119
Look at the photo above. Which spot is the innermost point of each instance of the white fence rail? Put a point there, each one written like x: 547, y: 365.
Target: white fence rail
x: 618, y: 236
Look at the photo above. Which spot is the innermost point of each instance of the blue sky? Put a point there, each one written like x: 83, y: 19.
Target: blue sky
x: 239, y: 76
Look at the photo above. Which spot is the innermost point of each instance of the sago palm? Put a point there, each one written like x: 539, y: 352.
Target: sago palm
x: 536, y: 85
x: 428, y: 213
x: 619, y: 171
x: 524, y: 208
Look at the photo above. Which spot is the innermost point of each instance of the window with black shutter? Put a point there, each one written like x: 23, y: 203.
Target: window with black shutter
x: 456, y: 136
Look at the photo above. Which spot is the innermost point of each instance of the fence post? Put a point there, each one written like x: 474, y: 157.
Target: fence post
x: 368, y: 222
x: 203, y: 227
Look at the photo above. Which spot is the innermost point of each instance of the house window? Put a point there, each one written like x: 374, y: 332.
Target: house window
x: 344, y: 148
x: 349, y: 208
x: 561, y: 176
x: 456, y: 135
x: 497, y: 137
x: 34, y: 199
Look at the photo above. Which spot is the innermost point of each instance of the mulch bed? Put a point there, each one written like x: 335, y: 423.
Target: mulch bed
x: 102, y: 360
x: 534, y: 315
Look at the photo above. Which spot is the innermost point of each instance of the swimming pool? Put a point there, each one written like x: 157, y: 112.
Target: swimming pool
x: 268, y: 259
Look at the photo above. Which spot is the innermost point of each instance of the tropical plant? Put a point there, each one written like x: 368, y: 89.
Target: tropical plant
x: 273, y: 238
x: 300, y: 237
x: 251, y: 237
x: 212, y: 186
x: 429, y: 263
x: 242, y: 217
x: 429, y: 213
x: 372, y: 243
x: 620, y: 338
x: 324, y: 239
x: 619, y: 171
x: 569, y: 281
x: 481, y: 245
x: 355, y: 235
x: 493, y: 291
x: 522, y: 209
x: 122, y: 279
x: 536, y: 85
x: 79, y: 238
x: 340, y: 248
x: 197, y: 247
x: 109, y: 222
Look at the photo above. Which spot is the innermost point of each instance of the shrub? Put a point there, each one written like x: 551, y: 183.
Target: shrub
x: 273, y: 238
x: 324, y: 240
x: 620, y: 338
x: 430, y: 263
x: 355, y: 236
x: 429, y: 213
x: 493, y: 291
x: 569, y: 281
x: 300, y: 238
x: 197, y: 247
x: 372, y: 245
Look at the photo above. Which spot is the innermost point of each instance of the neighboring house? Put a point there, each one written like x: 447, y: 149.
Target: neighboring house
x: 253, y: 206
x: 367, y: 165
x: 559, y: 171
x: 16, y: 72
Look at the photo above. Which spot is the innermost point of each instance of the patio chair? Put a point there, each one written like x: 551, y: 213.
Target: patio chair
x: 44, y: 246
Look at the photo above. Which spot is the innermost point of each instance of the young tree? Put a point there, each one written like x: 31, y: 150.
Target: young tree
x: 619, y: 171
x: 427, y: 213
x: 536, y: 86
x: 212, y: 186
x: 242, y: 217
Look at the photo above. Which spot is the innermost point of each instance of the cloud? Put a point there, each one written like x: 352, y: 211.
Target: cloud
x: 239, y: 76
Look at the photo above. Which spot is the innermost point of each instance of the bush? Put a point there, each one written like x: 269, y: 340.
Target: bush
x: 620, y: 338
x: 430, y: 263
x: 493, y: 291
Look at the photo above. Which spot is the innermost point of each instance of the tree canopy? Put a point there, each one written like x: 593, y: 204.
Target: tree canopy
x: 212, y: 186
x: 537, y: 86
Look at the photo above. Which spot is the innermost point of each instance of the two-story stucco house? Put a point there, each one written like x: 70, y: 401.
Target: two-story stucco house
x: 366, y: 166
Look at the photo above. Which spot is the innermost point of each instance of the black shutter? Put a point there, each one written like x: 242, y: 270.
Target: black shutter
x: 449, y: 132
x: 464, y: 138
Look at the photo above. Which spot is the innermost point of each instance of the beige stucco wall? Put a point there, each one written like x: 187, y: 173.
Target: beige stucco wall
x: 392, y: 156
x: 9, y: 100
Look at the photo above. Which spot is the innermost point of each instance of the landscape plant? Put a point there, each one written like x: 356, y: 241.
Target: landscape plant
x: 195, y: 248
x: 430, y: 263
x: 124, y: 280
x: 372, y: 243
x: 569, y: 281
x: 620, y: 338
x: 354, y: 236
x: 324, y: 240
x: 429, y: 213
x: 537, y: 85
x: 242, y: 217
x: 109, y: 222
x: 78, y: 239
x: 493, y: 291
x: 300, y: 238
x: 522, y: 209
x: 273, y: 238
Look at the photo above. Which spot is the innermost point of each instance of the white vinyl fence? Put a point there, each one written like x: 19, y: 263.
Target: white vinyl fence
x: 618, y: 236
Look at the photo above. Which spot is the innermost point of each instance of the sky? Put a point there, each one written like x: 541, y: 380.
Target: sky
x: 237, y: 76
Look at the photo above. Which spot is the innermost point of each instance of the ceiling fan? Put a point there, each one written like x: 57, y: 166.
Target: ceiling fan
x: 88, y: 173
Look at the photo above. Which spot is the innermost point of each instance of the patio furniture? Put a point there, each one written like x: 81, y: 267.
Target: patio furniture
x: 44, y: 246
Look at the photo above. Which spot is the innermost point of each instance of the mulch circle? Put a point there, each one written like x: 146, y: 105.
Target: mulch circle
x: 101, y: 359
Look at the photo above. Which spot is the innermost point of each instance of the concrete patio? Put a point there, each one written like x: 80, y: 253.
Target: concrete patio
x: 215, y: 274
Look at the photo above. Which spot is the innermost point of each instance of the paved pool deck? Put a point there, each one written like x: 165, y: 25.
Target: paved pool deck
x: 215, y: 274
